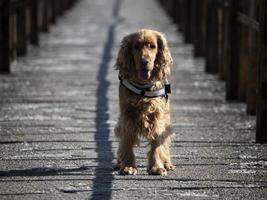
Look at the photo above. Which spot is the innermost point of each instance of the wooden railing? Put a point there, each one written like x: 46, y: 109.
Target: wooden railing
x: 231, y: 35
x: 21, y: 21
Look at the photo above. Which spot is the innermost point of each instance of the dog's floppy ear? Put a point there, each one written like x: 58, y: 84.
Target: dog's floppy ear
x: 164, y: 58
x: 125, y: 59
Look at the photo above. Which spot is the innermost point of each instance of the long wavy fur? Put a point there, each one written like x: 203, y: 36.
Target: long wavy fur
x: 142, y: 117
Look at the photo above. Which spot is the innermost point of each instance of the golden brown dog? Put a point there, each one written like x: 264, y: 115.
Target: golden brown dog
x: 144, y: 63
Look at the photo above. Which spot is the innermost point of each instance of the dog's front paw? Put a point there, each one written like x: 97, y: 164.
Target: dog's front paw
x: 157, y: 171
x: 128, y: 171
x: 169, y: 166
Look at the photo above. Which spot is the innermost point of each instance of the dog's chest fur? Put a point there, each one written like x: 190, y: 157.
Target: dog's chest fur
x: 147, y: 115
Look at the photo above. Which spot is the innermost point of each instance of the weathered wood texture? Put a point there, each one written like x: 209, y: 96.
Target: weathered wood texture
x: 232, y: 38
x: 21, y: 22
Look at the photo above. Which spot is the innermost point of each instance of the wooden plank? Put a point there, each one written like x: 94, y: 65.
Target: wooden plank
x: 57, y: 139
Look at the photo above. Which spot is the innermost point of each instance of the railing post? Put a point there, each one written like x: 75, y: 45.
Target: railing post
x: 34, y: 38
x: 177, y: 11
x: 254, y: 48
x: 1, y: 34
x: 187, y: 21
x: 54, y: 11
x: 21, y: 27
x: 200, y: 28
x: 220, y: 38
x: 5, y: 36
x: 226, y: 43
x: 193, y: 21
x: 45, y: 16
x: 233, y: 52
x: 212, y: 38
x: 261, y: 134
x: 20, y: 24
x: 184, y: 20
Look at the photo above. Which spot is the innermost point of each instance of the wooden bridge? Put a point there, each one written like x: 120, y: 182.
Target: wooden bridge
x: 59, y: 99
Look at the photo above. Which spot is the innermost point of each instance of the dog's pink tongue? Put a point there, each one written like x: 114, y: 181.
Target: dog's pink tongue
x: 144, y: 74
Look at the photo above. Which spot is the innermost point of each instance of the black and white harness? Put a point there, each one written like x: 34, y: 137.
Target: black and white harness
x: 146, y: 90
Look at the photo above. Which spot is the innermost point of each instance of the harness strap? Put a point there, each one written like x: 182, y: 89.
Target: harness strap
x: 146, y: 91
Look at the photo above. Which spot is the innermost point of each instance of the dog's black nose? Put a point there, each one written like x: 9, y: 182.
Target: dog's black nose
x: 144, y: 62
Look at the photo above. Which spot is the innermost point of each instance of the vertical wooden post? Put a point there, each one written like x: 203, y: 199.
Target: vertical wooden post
x: 5, y: 32
x: 199, y: 37
x: 45, y: 21
x: 169, y: 5
x: 21, y: 27
x: 220, y: 29
x: 212, y: 38
x: 233, y: 53
x: 193, y: 21
x: 254, y: 46
x: 13, y: 30
x: 1, y: 33
x: 54, y: 12
x: 226, y: 50
x: 187, y: 21
x: 243, y: 53
x: 261, y: 134
x: 182, y: 16
x: 176, y: 11
x: 34, y: 22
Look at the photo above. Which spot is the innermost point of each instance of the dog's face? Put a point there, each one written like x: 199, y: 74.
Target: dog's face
x: 144, y: 56
x: 144, y: 50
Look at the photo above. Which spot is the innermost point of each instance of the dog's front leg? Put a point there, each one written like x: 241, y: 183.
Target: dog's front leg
x: 159, y: 157
x: 155, y: 163
x: 126, y: 158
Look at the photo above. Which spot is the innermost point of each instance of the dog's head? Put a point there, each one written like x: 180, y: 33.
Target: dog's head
x: 144, y: 56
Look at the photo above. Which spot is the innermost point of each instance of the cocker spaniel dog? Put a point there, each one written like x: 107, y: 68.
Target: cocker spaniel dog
x: 144, y: 62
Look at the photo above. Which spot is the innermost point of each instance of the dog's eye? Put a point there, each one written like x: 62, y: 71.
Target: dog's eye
x: 152, y: 46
